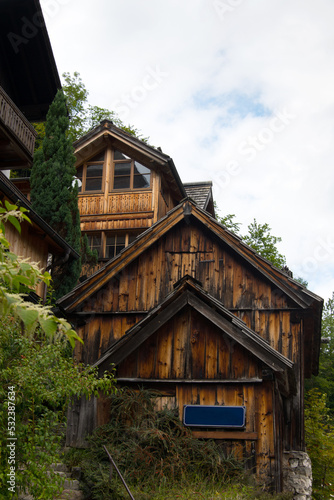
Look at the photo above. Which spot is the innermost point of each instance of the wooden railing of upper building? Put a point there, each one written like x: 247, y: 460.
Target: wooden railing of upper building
x: 116, y: 203
x: 16, y: 122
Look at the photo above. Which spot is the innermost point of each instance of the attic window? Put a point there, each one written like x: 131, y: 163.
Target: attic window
x: 91, y: 173
x: 129, y: 174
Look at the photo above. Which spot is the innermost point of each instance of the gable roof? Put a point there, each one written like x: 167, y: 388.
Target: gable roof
x: 201, y: 193
x: 97, y: 138
x: 189, y: 292
x: 187, y: 210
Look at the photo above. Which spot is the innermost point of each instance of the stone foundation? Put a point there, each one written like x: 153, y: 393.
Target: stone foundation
x: 297, y: 474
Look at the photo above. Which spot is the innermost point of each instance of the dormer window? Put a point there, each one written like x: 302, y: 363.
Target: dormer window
x: 129, y: 174
x: 125, y: 173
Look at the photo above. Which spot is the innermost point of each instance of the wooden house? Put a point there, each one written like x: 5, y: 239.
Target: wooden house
x: 188, y: 309
x: 28, y: 83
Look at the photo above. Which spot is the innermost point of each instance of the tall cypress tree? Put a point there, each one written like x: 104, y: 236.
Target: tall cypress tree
x: 53, y: 195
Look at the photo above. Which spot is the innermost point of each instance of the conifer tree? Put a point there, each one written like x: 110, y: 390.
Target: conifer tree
x: 54, y: 196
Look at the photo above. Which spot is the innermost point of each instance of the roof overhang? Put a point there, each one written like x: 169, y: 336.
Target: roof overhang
x: 28, y: 71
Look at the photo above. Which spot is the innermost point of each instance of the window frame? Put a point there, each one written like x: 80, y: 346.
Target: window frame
x: 84, y: 167
x: 102, y: 251
x: 132, y: 162
x: 128, y: 160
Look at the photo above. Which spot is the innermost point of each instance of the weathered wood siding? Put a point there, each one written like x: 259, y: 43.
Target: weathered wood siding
x: 29, y: 245
x: 189, y: 347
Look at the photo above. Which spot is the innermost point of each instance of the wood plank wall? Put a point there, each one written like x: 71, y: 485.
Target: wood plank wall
x: 187, y: 249
x: 29, y: 244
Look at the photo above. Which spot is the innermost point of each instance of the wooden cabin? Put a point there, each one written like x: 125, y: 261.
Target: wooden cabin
x: 28, y: 83
x: 188, y: 309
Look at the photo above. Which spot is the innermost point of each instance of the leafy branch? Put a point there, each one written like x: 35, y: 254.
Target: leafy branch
x: 18, y: 277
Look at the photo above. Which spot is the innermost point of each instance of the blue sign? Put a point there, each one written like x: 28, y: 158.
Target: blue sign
x: 214, y: 416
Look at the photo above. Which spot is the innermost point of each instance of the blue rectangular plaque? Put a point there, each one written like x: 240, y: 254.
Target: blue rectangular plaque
x: 214, y: 416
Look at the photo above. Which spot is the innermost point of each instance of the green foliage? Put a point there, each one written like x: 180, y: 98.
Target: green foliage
x: 54, y: 195
x: 20, y: 276
x: 319, y: 433
x: 38, y: 376
x: 264, y: 243
x: 88, y: 256
x: 158, y: 458
x: 324, y: 382
x: 40, y: 129
x: 84, y: 116
x: 230, y: 224
x: 150, y: 448
x: 44, y: 378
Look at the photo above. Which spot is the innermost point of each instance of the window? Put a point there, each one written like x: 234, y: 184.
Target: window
x: 125, y: 174
x: 94, y: 242
x: 109, y: 244
x: 129, y: 174
x: 91, y: 173
x: 114, y: 244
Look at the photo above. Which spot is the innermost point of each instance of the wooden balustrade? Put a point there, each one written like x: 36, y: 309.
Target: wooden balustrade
x: 12, y: 117
x: 117, y: 203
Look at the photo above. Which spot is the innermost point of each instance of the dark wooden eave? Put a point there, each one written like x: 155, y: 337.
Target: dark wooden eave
x: 57, y: 243
x: 190, y: 293
x: 28, y: 71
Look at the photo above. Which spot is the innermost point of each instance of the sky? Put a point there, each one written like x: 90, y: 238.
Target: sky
x: 239, y: 92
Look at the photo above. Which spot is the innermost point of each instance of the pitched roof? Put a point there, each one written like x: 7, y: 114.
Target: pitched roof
x: 187, y: 210
x: 95, y: 139
x: 189, y: 292
x: 16, y: 197
x: 200, y: 192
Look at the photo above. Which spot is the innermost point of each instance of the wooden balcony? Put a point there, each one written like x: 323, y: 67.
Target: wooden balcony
x: 17, y: 135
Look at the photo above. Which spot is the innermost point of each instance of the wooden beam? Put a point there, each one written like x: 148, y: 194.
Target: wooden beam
x: 13, y: 164
x: 190, y: 381
x: 249, y: 436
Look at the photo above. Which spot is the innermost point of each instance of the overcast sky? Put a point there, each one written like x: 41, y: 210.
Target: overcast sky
x: 240, y: 92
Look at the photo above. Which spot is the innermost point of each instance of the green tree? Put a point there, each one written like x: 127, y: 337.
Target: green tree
x: 38, y: 376
x: 324, y: 381
x: 264, y: 243
x: 319, y: 434
x: 230, y: 224
x: 54, y: 195
x: 84, y: 116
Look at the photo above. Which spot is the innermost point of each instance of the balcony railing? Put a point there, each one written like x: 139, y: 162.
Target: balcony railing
x: 17, y: 123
